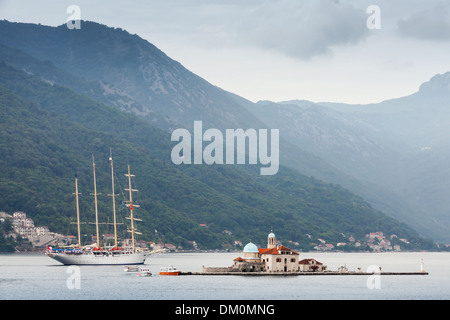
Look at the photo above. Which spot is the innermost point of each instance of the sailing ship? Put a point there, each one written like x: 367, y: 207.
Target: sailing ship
x: 95, y: 254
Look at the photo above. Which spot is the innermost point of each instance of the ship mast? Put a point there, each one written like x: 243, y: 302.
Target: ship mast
x: 78, y: 211
x: 96, y: 210
x: 113, y: 199
x: 130, y: 205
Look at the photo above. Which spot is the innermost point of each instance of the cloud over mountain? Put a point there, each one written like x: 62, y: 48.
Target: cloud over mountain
x: 304, y: 29
x: 299, y: 29
x: 432, y: 23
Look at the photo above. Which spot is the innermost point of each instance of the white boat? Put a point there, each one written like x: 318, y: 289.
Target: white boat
x: 136, y: 269
x: 169, y: 271
x: 145, y: 274
x: 98, y: 255
x: 131, y: 269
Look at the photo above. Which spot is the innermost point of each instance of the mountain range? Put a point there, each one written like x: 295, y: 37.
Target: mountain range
x: 69, y: 93
x: 400, y: 147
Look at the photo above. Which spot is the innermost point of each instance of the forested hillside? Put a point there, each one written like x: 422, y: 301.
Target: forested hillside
x: 67, y: 96
x: 49, y: 133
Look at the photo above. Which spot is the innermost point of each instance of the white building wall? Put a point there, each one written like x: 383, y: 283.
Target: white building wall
x: 280, y: 262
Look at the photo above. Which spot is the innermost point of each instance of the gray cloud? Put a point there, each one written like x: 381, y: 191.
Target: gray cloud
x: 431, y: 23
x: 303, y: 29
x: 297, y: 28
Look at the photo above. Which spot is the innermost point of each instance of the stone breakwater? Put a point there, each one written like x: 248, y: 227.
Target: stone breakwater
x: 325, y: 273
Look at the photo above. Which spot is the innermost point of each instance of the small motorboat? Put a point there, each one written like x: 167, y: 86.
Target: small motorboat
x: 144, y: 274
x: 135, y: 269
x: 131, y: 269
x: 169, y: 271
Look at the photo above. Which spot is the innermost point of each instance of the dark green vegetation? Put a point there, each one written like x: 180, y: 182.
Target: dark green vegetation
x: 7, y: 244
x: 50, y: 128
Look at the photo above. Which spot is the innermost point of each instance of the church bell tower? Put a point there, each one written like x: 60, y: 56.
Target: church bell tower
x: 271, y: 241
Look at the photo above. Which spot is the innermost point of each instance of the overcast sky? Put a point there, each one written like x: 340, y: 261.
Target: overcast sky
x: 318, y: 50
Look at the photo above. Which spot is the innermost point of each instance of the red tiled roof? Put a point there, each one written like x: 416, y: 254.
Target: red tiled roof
x: 275, y: 250
x: 238, y: 259
x: 307, y: 261
x: 283, y: 248
x: 269, y: 251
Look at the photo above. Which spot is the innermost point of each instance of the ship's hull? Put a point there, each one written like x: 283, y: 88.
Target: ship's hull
x: 90, y: 258
x: 175, y: 273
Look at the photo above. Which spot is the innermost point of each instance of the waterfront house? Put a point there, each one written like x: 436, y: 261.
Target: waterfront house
x: 311, y: 265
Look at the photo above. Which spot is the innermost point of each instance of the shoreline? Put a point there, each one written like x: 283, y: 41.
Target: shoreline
x: 237, y: 251
x: 304, y: 273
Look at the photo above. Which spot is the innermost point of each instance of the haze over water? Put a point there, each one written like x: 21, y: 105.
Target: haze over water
x: 37, y: 277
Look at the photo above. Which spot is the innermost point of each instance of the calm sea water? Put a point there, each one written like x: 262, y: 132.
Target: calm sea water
x: 37, y: 277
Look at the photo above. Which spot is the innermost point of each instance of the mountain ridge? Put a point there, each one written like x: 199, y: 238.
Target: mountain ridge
x: 220, y: 110
x: 416, y: 149
x: 300, y: 160
x: 182, y: 197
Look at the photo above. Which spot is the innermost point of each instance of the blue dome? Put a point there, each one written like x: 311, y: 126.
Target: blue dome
x: 271, y: 235
x: 250, y: 247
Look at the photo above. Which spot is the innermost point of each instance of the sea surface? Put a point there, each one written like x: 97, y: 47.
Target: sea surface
x: 38, y: 277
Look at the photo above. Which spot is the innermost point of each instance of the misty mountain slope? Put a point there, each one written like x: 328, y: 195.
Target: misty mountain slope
x: 138, y: 68
x: 418, y: 120
x: 167, y: 94
x: 44, y: 151
x: 98, y: 90
x: 351, y: 145
x: 402, y: 145
x: 45, y: 139
x: 163, y: 92
x: 356, y: 148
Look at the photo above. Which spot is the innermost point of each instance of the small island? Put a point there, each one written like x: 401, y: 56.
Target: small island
x: 280, y: 260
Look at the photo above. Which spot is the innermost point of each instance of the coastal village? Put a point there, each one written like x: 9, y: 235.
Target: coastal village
x: 39, y: 237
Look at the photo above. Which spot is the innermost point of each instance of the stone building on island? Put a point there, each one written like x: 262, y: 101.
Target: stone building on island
x: 273, y: 259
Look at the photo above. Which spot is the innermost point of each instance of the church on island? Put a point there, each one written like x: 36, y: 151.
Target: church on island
x: 271, y: 259
x: 280, y: 260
